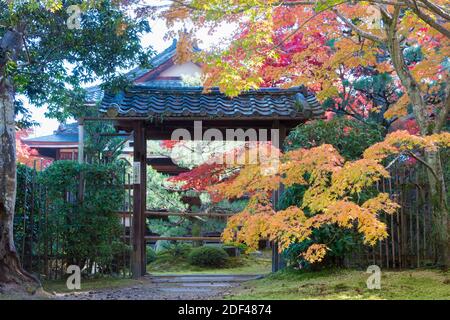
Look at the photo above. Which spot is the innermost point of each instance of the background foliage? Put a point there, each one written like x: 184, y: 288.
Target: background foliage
x: 350, y: 137
x: 208, y: 257
x: 71, y: 229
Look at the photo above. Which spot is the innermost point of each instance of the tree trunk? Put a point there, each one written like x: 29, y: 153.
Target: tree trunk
x: 435, y: 173
x: 412, y: 87
x: 438, y: 195
x: 10, y: 268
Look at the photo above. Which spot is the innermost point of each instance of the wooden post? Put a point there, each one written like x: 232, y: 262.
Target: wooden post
x: 81, y: 158
x: 80, y: 140
x: 144, y: 200
x: 277, y: 138
x: 138, y: 267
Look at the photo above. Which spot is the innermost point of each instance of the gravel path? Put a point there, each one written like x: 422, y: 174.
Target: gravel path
x: 177, y: 287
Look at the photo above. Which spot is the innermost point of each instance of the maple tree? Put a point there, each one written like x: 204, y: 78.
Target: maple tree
x: 23, y: 152
x: 226, y: 164
x: 346, y: 88
x: 377, y: 34
x: 26, y: 155
x: 333, y: 194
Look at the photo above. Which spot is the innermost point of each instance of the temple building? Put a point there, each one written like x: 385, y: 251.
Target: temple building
x: 61, y: 145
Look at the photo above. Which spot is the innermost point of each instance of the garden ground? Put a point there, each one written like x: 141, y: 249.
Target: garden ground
x: 237, y: 281
x: 173, y: 287
x: 347, y: 285
x: 336, y: 284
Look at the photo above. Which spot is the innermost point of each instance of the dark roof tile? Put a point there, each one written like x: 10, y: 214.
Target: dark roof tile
x: 147, y: 101
x: 54, y: 138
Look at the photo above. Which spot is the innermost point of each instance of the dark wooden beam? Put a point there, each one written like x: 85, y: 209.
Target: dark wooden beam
x: 163, y: 129
x: 153, y: 238
x: 170, y: 170
x: 277, y: 261
x: 187, y: 214
x: 114, y: 134
x: 181, y: 214
x: 165, y: 165
x: 138, y: 267
x: 160, y: 118
x: 143, y: 163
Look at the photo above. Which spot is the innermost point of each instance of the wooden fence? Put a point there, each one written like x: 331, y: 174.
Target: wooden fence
x: 410, y: 243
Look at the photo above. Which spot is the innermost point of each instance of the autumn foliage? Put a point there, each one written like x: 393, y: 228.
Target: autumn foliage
x: 26, y: 155
x: 225, y: 165
x: 325, y: 45
x: 333, y: 193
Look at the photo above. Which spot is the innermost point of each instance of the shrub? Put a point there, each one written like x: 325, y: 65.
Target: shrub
x: 151, y: 255
x: 78, y: 231
x: 208, y: 257
x: 241, y: 246
x: 24, y: 203
x: 175, y: 250
x: 341, y: 242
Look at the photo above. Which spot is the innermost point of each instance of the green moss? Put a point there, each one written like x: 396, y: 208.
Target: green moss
x: 59, y: 286
x: 347, y: 284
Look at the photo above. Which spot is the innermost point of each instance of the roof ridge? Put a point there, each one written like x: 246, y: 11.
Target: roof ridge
x: 214, y: 90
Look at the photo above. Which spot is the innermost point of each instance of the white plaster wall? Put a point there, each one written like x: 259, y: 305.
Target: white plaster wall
x: 178, y: 70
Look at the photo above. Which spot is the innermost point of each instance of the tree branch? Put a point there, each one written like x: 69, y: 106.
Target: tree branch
x: 424, y: 163
x: 360, y: 32
x: 393, y: 161
x: 428, y: 20
x: 436, y: 9
x: 305, y: 22
x: 441, y: 118
x: 27, y: 52
x: 384, y: 11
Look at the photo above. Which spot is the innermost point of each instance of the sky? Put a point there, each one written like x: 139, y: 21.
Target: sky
x: 155, y: 39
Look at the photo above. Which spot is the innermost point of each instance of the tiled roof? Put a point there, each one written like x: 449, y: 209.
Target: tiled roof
x: 65, y: 133
x: 171, y: 97
x: 145, y: 101
x: 67, y: 128
x: 95, y: 94
x: 158, y: 60
x: 55, y: 138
